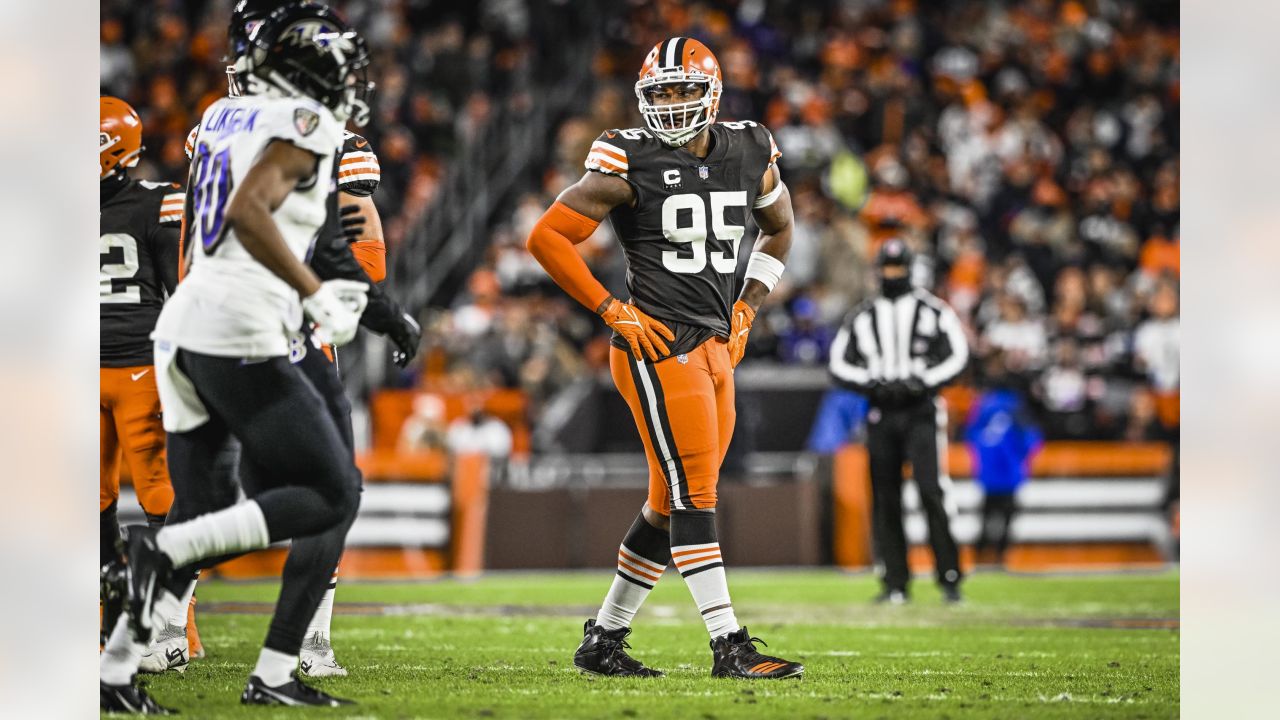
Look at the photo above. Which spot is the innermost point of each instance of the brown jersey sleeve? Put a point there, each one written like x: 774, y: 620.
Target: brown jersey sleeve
x: 358, y: 171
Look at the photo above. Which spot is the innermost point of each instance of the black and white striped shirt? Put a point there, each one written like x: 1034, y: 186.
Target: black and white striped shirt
x: 915, y: 335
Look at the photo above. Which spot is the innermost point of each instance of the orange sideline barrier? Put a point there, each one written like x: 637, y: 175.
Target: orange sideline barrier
x: 381, y: 465
x: 851, y: 531
x: 465, y: 555
x: 470, y: 512
x: 382, y: 563
x: 1037, y: 557
x: 851, y: 490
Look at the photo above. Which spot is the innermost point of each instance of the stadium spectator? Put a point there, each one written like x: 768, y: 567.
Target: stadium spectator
x: 1002, y: 440
x: 1013, y: 141
x: 424, y: 429
x: 1019, y: 338
x: 479, y: 432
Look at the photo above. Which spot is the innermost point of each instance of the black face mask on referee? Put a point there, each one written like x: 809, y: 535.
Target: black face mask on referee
x: 893, y: 266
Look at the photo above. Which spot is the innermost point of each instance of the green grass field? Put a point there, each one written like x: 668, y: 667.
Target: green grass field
x: 1090, y: 646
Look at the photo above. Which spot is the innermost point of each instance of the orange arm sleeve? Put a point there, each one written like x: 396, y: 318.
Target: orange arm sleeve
x: 372, y: 256
x: 551, y: 243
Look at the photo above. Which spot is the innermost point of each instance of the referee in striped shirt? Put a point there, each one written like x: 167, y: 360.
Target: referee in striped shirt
x: 898, y: 348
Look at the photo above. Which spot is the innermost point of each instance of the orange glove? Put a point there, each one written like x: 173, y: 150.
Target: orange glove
x: 639, y: 330
x: 740, y: 326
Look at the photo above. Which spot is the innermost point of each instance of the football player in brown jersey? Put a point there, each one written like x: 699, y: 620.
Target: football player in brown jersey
x: 139, y: 248
x: 677, y: 192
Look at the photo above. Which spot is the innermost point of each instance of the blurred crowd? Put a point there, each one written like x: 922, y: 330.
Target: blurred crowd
x: 438, y: 67
x: 1027, y: 150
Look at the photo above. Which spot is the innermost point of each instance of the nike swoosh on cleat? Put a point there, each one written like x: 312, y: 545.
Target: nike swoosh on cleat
x: 135, y: 376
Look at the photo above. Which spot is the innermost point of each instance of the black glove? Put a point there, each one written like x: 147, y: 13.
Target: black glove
x: 878, y: 392
x: 407, y: 335
x: 352, y: 222
x: 914, y: 389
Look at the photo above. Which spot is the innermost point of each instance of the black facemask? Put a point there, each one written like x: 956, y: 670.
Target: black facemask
x: 895, y: 287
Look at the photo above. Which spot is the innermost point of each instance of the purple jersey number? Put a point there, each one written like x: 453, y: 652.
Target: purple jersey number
x: 212, y: 188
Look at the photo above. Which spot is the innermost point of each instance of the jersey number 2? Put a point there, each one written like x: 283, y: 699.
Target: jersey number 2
x: 211, y: 189
x: 695, y: 233
x: 109, y: 273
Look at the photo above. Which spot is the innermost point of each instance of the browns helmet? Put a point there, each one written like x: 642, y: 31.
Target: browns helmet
x: 679, y: 60
x: 119, y: 136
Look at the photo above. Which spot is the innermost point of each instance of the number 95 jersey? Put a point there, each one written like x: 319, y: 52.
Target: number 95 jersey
x: 681, y: 237
x: 229, y: 304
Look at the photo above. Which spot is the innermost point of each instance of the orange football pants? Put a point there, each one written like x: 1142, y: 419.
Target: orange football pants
x: 129, y: 421
x: 683, y: 407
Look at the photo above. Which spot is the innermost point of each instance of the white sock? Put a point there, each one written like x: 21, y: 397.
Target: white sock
x: 274, y: 667
x: 121, y: 655
x: 238, y: 528
x: 635, y: 579
x: 179, y: 615
x: 703, y: 571
x: 323, y: 619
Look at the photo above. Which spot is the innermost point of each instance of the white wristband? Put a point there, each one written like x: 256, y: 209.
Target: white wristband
x: 765, y: 268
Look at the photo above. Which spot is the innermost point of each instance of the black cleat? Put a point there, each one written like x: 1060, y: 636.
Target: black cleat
x: 892, y: 597
x: 129, y: 698
x: 113, y: 591
x: 149, y: 571
x: 951, y: 594
x: 604, y: 652
x: 293, y: 693
x: 736, y: 657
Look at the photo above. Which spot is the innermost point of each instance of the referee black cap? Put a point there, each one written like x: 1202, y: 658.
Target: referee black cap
x: 893, y: 252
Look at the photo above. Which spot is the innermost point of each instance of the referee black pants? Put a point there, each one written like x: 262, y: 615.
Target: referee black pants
x: 894, y: 436
x: 281, y: 431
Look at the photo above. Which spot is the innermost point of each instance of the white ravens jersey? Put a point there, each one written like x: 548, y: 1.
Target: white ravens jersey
x: 229, y: 304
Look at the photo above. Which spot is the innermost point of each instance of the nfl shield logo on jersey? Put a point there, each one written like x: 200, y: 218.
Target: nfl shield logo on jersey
x: 704, y: 172
x: 305, y: 120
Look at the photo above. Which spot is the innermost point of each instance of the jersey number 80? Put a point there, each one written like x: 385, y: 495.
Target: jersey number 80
x: 695, y: 233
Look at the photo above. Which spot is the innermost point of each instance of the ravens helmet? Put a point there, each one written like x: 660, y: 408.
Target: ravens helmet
x: 245, y: 17
x: 305, y: 48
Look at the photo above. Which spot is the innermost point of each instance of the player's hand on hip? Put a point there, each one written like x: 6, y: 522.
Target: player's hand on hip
x: 739, y: 328
x: 643, y: 333
x: 335, y: 309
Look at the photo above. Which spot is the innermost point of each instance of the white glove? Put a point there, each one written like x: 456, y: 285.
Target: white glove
x: 335, y: 309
